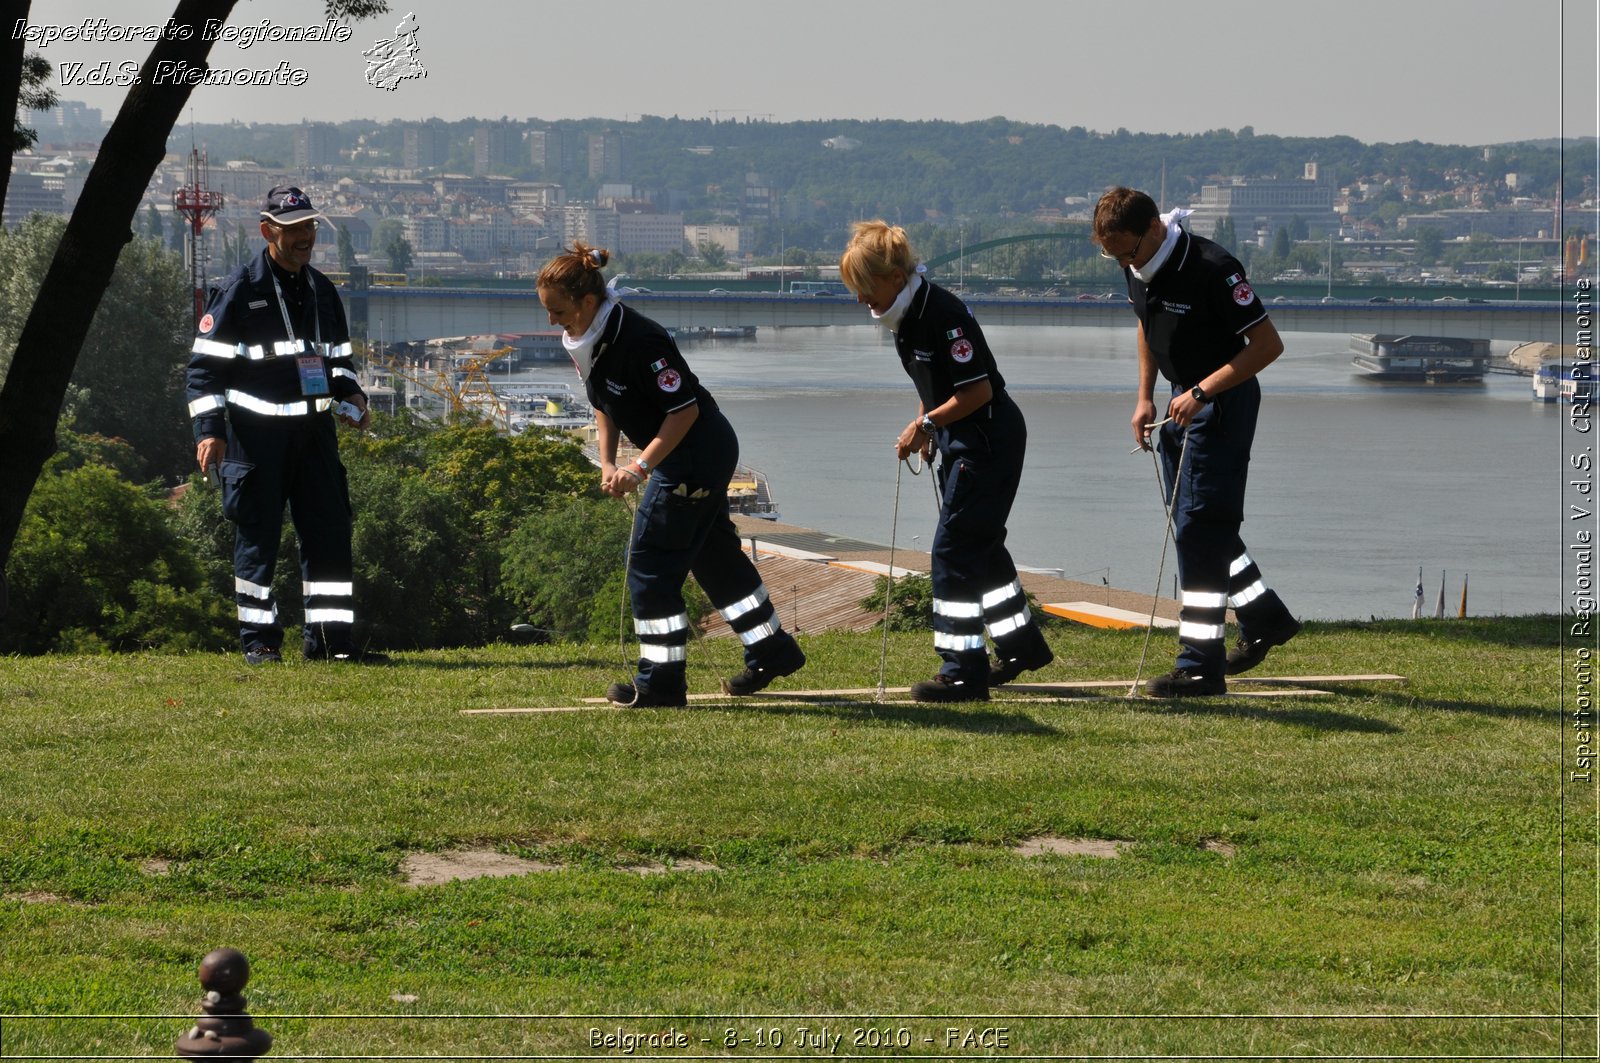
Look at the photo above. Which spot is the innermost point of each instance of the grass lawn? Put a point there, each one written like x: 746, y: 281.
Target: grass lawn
x: 1380, y: 872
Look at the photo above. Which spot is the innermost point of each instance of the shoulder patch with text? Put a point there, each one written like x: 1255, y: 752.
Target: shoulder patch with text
x: 207, y: 323
x: 1242, y: 294
x: 961, y: 350
x: 669, y: 381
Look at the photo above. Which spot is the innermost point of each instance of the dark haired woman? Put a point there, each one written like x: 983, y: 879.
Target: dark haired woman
x: 641, y: 388
x: 980, y: 435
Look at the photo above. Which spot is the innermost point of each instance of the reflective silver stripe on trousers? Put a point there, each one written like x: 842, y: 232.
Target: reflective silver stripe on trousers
x: 246, y: 401
x: 944, y: 641
x: 1002, y: 628
x: 205, y: 404
x: 330, y: 616
x: 1200, y: 632
x: 664, y: 626
x: 1240, y: 563
x: 343, y: 590
x: 1004, y: 594
x: 744, y: 605
x: 341, y: 371
x: 761, y: 631
x: 1248, y: 595
x: 254, y: 590
x: 662, y: 654
x: 1204, y: 600
x: 957, y: 610
x: 258, y: 616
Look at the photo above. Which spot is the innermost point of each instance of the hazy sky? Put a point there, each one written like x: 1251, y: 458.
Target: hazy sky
x: 1467, y: 71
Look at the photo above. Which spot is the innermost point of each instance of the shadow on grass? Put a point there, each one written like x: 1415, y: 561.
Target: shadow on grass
x: 501, y: 663
x: 1294, y: 715
x: 973, y: 719
x: 1538, y: 713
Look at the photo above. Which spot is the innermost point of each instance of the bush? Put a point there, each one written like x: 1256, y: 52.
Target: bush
x: 912, y: 608
x: 96, y: 566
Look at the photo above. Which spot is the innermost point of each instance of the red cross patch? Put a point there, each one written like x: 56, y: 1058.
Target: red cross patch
x: 206, y: 323
x: 668, y: 380
x: 1242, y: 294
x: 961, y: 350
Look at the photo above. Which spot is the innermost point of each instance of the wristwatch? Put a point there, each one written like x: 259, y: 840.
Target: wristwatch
x: 1199, y: 394
x: 639, y: 461
x: 927, y: 426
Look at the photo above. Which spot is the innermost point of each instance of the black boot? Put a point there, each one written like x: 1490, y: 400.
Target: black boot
x: 943, y: 688
x: 790, y: 660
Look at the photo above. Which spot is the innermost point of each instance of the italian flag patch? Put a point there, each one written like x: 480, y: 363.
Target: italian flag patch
x: 656, y: 367
x: 953, y: 334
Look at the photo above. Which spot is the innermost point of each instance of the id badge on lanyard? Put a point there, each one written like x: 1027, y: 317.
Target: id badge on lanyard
x: 311, y: 367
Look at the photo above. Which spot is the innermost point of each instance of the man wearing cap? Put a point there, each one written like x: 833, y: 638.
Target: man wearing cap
x: 270, y: 366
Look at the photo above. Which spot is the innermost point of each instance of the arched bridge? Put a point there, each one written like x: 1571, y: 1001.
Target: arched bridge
x: 424, y: 313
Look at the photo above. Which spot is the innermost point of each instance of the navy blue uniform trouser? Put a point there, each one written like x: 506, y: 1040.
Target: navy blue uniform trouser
x: 1215, y: 571
x: 295, y: 460
x: 682, y: 526
x: 975, y: 585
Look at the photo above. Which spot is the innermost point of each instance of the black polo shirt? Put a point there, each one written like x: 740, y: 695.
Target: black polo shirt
x: 941, y: 346
x: 1196, y: 311
x: 639, y: 377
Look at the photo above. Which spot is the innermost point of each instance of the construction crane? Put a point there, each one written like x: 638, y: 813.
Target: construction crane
x: 472, y: 395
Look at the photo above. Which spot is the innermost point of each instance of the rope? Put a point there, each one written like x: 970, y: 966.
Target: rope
x: 627, y: 574
x: 888, y: 594
x: 1172, y: 505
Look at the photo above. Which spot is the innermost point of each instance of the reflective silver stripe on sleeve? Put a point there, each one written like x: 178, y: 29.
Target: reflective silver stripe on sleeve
x: 330, y: 616
x: 255, y: 352
x: 944, y: 641
x: 283, y: 348
x: 662, y: 654
x: 340, y: 350
x: 957, y: 610
x: 344, y: 590
x: 246, y: 401
x: 258, y: 616
x: 213, y: 349
x: 761, y: 631
x: 341, y: 371
x: 744, y: 605
x: 254, y: 590
x: 1200, y: 632
x: 1204, y: 599
x: 1240, y: 563
x: 664, y: 626
x: 1248, y: 595
x: 1006, y: 593
x: 205, y: 404
x: 1002, y: 628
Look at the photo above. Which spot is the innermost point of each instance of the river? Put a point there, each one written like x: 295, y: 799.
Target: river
x: 1353, y: 484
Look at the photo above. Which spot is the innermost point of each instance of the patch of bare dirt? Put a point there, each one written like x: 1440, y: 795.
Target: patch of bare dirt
x: 458, y: 865
x: 1105, y: 849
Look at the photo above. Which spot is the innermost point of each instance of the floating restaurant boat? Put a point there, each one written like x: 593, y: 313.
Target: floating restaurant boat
x: 1563, y: 380
x: 1423, y: 359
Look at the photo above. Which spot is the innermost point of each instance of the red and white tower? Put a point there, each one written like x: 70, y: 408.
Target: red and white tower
x: 198, y: 204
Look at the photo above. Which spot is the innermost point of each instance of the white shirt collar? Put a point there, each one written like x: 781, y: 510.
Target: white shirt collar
x: 890, y: 318
x: 1148, y: 271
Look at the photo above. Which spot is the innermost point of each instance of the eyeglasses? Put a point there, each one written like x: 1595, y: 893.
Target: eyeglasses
x: 310, y: 225
x: 1126, y: 255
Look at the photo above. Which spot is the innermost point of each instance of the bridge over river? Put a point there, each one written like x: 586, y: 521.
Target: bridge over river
x: 410, y: 314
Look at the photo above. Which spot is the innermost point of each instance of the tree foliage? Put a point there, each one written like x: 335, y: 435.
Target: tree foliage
x: 97, y: 567
x: 128, y: 381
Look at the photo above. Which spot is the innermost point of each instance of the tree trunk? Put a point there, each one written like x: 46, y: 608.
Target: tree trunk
x: 10, y: 81
x: 47, y: 350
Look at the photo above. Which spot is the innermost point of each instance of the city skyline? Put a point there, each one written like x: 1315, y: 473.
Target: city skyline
x: 1374, y: 71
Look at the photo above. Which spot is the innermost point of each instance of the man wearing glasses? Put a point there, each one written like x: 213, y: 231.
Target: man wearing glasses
x: 1203, y: 327
x: 270, y: 369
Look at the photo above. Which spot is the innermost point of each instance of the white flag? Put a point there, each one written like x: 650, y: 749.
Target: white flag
x: 1438, y: 614
x: 1416, y: 604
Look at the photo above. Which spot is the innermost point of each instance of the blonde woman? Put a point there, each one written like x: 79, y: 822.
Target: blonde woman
x: 965, y: 414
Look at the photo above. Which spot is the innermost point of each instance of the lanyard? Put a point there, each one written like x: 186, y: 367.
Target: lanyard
x: 283, y: 308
